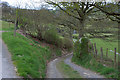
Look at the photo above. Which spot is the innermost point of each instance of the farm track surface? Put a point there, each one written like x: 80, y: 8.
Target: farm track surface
x: 85, y: 73
x: 53, y: 72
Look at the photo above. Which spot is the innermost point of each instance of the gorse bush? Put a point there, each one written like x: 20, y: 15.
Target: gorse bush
x: 60, y: 42
x: 67, y: 43
x: 51, y: 36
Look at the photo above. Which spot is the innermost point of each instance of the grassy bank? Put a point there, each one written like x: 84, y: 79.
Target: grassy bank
x: 29, y: 58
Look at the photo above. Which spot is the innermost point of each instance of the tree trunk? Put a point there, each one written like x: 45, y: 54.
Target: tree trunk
x: 81, y: 29
x: 16, y: 25
x: 15, y: 29
x: 71, y: 32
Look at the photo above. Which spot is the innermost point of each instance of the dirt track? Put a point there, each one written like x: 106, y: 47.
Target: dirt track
x: 53, y: 72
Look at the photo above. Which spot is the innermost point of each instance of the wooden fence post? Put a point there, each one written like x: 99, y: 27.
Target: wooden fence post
x: 96, y: 53
x: 88, y: 48
x: 95, y: 50
x: 101, y: 54
x: 118, y: 63
x: 92, y: 49
x: 107, y: 52
x: 115, y: 58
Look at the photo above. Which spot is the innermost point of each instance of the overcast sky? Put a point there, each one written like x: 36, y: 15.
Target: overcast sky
x: 25, y: 3
x: 34, y: 3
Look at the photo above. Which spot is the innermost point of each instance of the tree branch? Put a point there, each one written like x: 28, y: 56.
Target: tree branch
x: 64, y: 10
x: 108, y: 13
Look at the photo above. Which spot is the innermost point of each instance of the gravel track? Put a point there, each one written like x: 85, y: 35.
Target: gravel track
x: 85, y: 73
x: 53, y: 72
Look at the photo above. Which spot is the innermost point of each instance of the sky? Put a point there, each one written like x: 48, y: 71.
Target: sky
x: 25, y: 3
x: 31, y: 4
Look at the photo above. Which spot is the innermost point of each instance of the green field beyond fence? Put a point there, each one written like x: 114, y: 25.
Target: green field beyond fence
x: 106, y: 44
x: 7, y: 26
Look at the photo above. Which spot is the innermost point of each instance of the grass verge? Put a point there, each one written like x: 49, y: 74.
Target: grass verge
x: 29, y: 58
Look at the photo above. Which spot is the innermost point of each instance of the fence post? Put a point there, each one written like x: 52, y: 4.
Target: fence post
x: 92, y: 49
x: 88, y: 48
x: 107, y: 52
x: 118, y: 63
x: 95, y: 50
x: 115, y: 58
x: 101, y: 54
x: 96, y: 53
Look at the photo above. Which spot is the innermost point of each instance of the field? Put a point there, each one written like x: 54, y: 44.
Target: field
x: 106, y: 44
x: 7, y: 26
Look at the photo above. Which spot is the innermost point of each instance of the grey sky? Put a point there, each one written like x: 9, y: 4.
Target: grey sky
x: 35, y: 3
x: 25, y: 3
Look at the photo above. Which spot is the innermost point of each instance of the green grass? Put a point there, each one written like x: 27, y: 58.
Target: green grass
x: 67, y: 71
x: 91, y: 63
x: 7, y: 26
x: 30, y: 60
x: 105, y: 44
